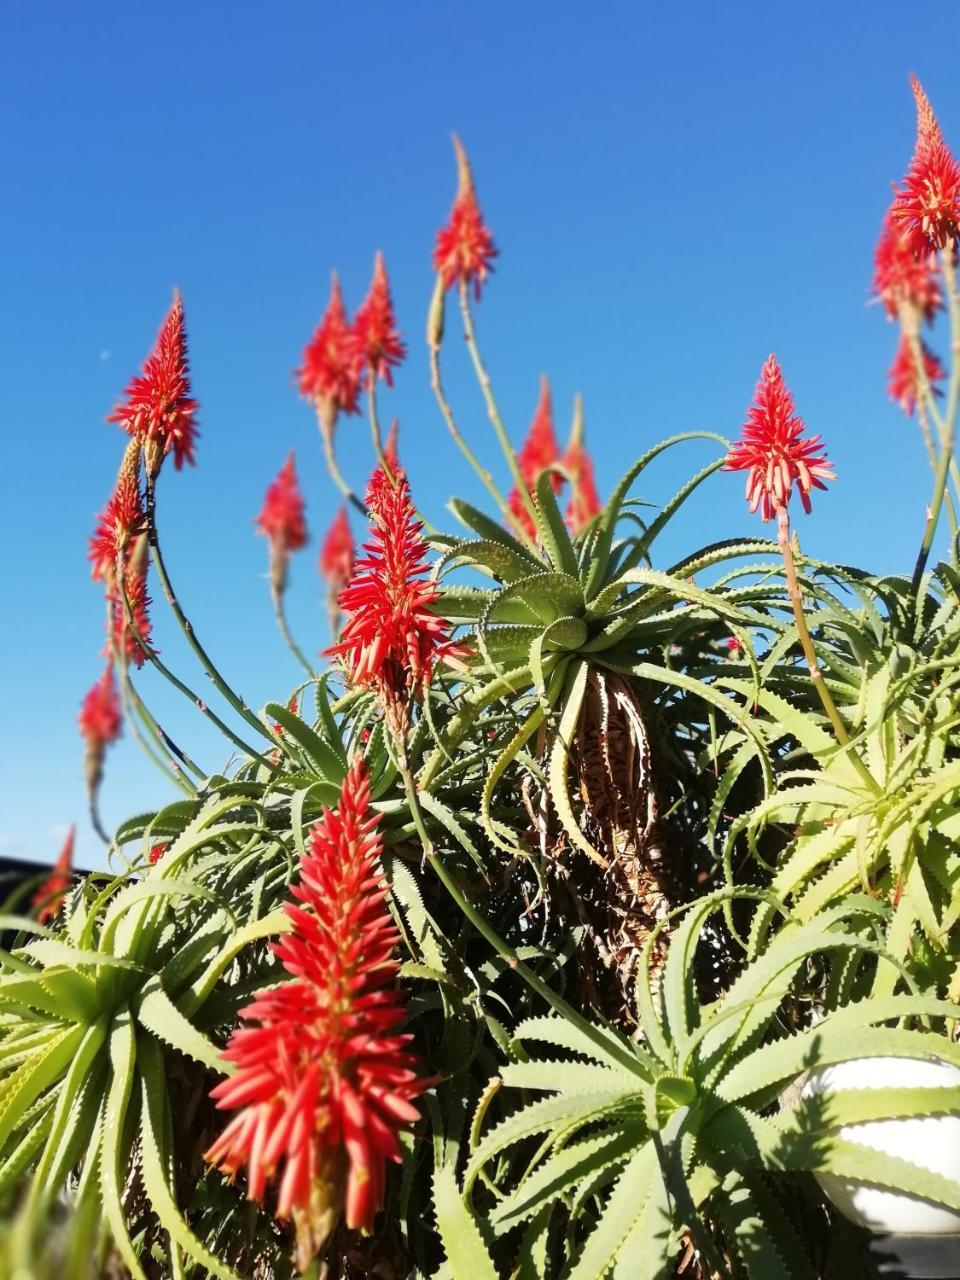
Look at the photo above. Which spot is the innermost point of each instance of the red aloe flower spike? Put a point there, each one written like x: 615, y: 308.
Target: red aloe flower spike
x: 928, y: 130
x: 584, y: 502
x: 392, y: 640
x: 323, y: 1083
x: 464, y: 250
x: 902, y: 280
x: 336, y: 565
x: 538, y: 452
x: 156, y: 853
x: 902, y: 381
x: 329, y: 374
x: 379, y: 345
x: 50, y: 897
x: 281, y: 519
x: 390, y: 448
x: 336, y: 554
x: 927, y: 206
x: 121, y: 520
x: 122, y: 638
x: 158, y: 406
x: 99, y: 721
x: 773, y: 450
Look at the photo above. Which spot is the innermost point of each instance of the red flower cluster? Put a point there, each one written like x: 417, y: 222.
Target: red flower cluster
x: 329, y: 374
x: 902, y: 380
x: 281, y: 518
x: 464, y: 250
x: 336, y: 554
x: 379, y: 347
x: 49, y: 898
x: 119, y: 540
x: 927, y: 206
x: 392, y: 640
x: 324, y: 1083
x: 122, y: 638
x: 900, y: 278
x: 100, y: 716
x: 158, y: 406
x: 773, y: 450
x: 99, y: 721
x: 584, y: 502
x: 538, y: 452
x: 122, y: 519
x: 336, y: 565
x: 156, y: 853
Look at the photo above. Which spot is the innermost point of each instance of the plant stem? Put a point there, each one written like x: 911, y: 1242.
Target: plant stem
x: 375, y: 427
x: 186, y: 626
x: 281, y: 616
x: 948, y: 433
x: 487, y: 388
x: 484, y: 475
x: 932, y: 455
x: 489, y: 934
x: 177, y: 682
x: 134, y: 708
x: 806, y: 643
x: 381, y: 455
x: 927, y: 403
x: 326, y: 435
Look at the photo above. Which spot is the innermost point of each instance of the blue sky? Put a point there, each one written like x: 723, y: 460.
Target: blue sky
x: 676, y: 191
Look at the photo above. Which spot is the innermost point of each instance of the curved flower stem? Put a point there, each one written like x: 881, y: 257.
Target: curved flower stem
x: 489, y: 934
x: 326, y: 435
x: 94, y: 810
x: 484, y: 475
x: 186, y: 626
x: 486, y: 387
x: 816, y: 675
x: 931, y: 449
x: 135, y: 708
x: 281, y: 616
x: 133, y: 702
x: 178, y: 683
x: 948, y: 434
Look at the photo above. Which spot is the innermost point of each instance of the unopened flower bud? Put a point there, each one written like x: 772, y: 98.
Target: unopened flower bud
x: 436, y: 315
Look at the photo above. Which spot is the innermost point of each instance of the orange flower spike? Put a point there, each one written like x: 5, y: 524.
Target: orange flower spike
x: 379, y: 347
x: 927, y: 205
x: 464, y: 249
x: 324, y: 1084
x: 158, y: 405
x: 538, y: 452
x: 50, y: 897
x: 584, y: 504
x: 773, y: 450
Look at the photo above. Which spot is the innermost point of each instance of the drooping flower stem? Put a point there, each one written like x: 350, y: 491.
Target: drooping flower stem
x: 134, y: 709
x: 486, y: 931
x: 948, y: 431
x: 156, y: 555
x: 281, y: 615
x: 185, y: 689
x: 481, y: 471
x: 493, y: 411
x: 330, y: 457
x: 816, y: 675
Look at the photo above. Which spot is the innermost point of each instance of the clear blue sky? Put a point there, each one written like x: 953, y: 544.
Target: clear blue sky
x: 676, y: 191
